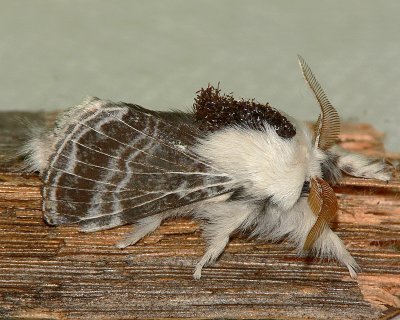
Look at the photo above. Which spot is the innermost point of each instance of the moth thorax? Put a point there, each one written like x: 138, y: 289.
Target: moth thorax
x: 214, y: 111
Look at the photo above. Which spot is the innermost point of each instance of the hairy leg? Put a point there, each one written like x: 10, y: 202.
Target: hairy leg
x: 357, y: 165
x: 222, y: 220
x: 140, y: 229
x: 214, y: 249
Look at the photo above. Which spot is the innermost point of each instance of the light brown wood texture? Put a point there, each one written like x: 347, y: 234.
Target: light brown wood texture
x: 60, y: 273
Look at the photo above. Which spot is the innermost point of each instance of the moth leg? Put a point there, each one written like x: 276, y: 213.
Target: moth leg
x: 140, y: 229
x: 214, y: 249
x: 357, y: 165
x: 223, y: 220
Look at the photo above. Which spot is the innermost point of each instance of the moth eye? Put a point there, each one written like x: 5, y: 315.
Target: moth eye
x: 305, y: 190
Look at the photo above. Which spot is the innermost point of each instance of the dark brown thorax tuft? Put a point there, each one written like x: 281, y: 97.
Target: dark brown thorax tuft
x: 214, y: 111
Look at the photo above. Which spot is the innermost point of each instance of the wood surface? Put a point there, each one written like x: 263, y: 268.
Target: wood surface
x: 60, y: 273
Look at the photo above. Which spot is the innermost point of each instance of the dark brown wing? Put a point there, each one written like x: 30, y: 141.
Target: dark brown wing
x: 117, y: 163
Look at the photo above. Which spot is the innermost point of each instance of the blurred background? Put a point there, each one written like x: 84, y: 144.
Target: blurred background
x: 54, y: 53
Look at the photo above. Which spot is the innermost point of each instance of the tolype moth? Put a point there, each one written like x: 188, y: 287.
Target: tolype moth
x: 235, y: 165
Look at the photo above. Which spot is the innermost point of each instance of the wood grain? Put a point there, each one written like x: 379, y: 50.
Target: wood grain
x: 61, y: 273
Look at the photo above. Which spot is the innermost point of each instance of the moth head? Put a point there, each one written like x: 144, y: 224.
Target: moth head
x: 322, y: 199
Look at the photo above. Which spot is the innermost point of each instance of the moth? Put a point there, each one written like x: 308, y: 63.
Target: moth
x: 235, y: 165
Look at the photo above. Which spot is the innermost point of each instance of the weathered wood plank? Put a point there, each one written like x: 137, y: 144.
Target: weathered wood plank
x: 61, y: 273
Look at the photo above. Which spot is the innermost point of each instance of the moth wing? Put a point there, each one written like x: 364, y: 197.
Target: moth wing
x: 323, y: 203
x: 116, y: 163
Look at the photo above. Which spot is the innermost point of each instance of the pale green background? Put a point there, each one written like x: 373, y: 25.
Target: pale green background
x: 158, y: 53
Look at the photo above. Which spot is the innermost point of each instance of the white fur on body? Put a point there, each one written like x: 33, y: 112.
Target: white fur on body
x: 263, y: 162
x: 270, y: 170
x: 274, y: 170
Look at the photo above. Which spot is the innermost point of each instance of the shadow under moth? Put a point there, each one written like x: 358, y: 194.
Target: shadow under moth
x: 235, y: 165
